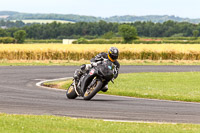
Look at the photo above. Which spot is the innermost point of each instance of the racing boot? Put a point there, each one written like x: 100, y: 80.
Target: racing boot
x: 79, y: 72
x: 77, y: 75
x: 105, y: 88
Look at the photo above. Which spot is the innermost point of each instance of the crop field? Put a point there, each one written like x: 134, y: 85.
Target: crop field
x: 87, y: 51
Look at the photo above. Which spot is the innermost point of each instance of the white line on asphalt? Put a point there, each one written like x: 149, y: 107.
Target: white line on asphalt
x: 39, y: 84
x: 151, y: 99
x: 66, y: 78
x: 138, y: 121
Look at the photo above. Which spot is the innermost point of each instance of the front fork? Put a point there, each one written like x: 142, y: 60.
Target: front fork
x: 92, y: 83
x: 77, y: 90
x: 95, y: 80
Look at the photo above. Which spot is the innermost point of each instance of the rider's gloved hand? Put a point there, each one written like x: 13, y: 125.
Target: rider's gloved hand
x: 94, y: 64
x: 115, y: 73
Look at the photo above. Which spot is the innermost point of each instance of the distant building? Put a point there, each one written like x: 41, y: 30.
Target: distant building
x: 4, y: 16
x: 68, y: 41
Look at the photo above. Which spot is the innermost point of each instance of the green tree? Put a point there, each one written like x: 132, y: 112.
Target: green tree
x: 81, y: 40
x: 129, y: 33
x: 20, y: 36
x: 3, y: 33
x: 108, y: 35
x: 195, y: 34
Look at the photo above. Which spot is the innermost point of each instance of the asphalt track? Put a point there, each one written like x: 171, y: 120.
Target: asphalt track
x: 20, y: 95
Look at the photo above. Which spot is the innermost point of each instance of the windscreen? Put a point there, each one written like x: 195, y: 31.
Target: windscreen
x: 106, y: 69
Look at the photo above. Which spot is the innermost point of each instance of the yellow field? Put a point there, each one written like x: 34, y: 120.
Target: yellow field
x: 87, y: 51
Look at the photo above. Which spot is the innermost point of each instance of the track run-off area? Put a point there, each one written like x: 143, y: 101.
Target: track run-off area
x: 20, y: 95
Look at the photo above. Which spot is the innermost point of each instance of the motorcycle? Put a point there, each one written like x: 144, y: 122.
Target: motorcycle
x: 92, y: 81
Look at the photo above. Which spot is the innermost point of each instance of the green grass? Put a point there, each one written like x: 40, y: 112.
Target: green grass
x: 58, y: 84
x: 40, y: 63
x: 181, y: 86
x: 55, y: 124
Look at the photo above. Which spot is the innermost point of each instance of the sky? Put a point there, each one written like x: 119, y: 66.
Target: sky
x: 106, y: 8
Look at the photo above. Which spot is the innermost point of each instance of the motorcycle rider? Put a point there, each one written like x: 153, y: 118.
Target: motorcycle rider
x: 112, y: 55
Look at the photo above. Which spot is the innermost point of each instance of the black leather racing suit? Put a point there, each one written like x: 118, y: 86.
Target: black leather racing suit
x: 96, y: 59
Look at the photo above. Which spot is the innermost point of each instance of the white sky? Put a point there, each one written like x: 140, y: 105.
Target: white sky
x: 106, y: 8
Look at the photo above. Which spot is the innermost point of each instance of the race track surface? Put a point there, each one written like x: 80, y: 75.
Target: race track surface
x: 20, y: 95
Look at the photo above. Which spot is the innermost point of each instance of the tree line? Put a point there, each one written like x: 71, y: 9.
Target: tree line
x: 10, y: 24
x: 82, y: 18
x: 91, y: 30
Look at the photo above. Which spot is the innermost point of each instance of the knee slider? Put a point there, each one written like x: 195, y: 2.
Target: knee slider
x: 83, y: 67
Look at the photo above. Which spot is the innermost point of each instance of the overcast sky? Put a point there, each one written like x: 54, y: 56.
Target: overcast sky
x: 106, y: 8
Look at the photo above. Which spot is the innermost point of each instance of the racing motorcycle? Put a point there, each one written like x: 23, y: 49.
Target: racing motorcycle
x: 93, y: 81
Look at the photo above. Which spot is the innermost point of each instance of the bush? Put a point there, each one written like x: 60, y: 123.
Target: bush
x: 97, y: 41
x: 77, y: 37
x: 178, y: 38
x: 82, y: 41
x: 7, y: 40
x: 43, y: 41
x: 147, y: 42
x: 108, y: 35
x: 20, y: 36
x: 129, y: 33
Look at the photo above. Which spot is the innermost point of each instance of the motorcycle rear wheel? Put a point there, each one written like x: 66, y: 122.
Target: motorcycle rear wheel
x: 93, y: 90
x: 71, y: 93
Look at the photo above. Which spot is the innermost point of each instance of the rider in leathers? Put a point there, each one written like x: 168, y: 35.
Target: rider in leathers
x: 112, y: 55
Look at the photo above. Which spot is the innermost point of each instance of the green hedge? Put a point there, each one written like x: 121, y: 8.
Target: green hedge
x: 6, y: 40
x: 43, y: 41
x: 179, y: 38
x: 168, y: 42
x: 84, y: 41
x: 96, y: 41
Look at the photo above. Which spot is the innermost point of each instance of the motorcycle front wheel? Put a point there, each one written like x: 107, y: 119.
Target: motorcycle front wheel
x: 71, y: 93
x: 93, y: 90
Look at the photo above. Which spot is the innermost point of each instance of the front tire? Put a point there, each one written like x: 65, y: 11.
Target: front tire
x: 71, y: 93
x: 93, y: 90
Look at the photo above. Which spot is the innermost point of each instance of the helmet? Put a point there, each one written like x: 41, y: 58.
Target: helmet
x: 113, y: 54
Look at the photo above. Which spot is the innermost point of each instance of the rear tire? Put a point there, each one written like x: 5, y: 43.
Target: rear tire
x: 71, y: 93
x: 91, y: 92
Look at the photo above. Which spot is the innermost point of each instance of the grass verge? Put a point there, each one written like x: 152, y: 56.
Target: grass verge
x: 80, y: 62
x: 58, y: 84
x: 41, y: 62
x: 55, y: 124
x: 180, y: 86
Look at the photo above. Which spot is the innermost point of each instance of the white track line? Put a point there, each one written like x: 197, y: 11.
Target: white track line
x: 151, y: 99
x: 39, y: 84
x: 139, y: 121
